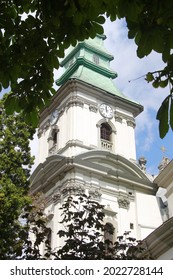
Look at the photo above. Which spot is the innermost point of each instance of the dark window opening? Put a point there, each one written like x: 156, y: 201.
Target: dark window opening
x: 131, y: 226
x: 105, y: 132
x: 109, y: 233
x: 49, y: 238
x: 54, y: 138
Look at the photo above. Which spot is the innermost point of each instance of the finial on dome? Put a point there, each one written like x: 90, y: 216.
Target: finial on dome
x: 142, y: 163
x: 165, y: 160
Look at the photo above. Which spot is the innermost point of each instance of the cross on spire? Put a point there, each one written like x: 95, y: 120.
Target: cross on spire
x: 163, y: 149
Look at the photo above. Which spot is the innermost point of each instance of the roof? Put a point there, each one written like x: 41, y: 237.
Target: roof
x: 89, y: 61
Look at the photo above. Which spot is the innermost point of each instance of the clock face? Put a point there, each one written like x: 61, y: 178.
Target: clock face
x: 54, y: 117
x: 106, y: 111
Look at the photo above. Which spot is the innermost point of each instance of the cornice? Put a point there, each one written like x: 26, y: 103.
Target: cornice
x: 76, y: 101
x: 81, y: 61
x: 87, y: 46
x: 165, y: 177
x: 129, y: 120
x: 74, y: 143
x: 160, y: 240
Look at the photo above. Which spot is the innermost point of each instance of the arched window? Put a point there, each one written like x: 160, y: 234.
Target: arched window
x: 109, y: 233
x: 105, y: 131
x: 53, y: 140
x: 106, y: 135
x: 49, y: 238
x: 54, y: 137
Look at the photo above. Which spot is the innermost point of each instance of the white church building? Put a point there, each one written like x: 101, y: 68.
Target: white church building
x: 87, y: 142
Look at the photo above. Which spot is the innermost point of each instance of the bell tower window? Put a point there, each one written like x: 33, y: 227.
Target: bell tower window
x: 53, y: 140
x: 106, y: 135
x: 54, y: 137
x: 109, y: 233
x: 109, y: 237
x: 105, y: 132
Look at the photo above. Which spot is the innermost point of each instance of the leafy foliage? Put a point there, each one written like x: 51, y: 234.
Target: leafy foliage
x: 36, y: 232
x: 128, y: 248
x: 83, y: 224
x: 20, y: 214
x: 34, y: 35
x: 83, y: 234
x: 150, y: 24
x: 15, y: 165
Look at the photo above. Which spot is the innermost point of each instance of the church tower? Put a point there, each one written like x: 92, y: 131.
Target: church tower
x: 87, y: 142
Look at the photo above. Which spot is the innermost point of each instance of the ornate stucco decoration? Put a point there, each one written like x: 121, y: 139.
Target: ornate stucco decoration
x: 131, y: 122
x: 50, y: 215
x: 118, y: 118
x: 123, y: 202
x: 93, y: 108
x: 61, y: 111
x: 72, y: 188
x: 142, y: 163
x: 95, y: 193
x: 56, y: 198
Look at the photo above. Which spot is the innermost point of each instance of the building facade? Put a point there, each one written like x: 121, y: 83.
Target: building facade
x: 87, y: 143
x: 159, y: 244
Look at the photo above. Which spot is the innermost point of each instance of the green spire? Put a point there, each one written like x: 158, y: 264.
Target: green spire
x: 89, y: 62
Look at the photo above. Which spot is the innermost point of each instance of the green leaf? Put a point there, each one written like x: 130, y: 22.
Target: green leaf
x: 149, y: 77
x: 144, y: 45
x: 155, y: 84
x: 101, y: 20
x: 162, y: 116
x: 32, y: 118
x: 9, y: 104
x: 163, y: 83
x: 77, y: 19
x: 56, y: 63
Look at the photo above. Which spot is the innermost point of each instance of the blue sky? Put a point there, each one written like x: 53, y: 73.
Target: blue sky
x: 130, y: 68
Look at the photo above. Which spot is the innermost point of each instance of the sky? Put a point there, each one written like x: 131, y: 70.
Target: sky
x: 130, y: 68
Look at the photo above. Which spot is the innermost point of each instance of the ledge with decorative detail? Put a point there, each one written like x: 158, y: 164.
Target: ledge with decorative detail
x: 102, y: 164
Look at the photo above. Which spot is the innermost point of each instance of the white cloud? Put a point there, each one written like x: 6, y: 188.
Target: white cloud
x: 130, y: 68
